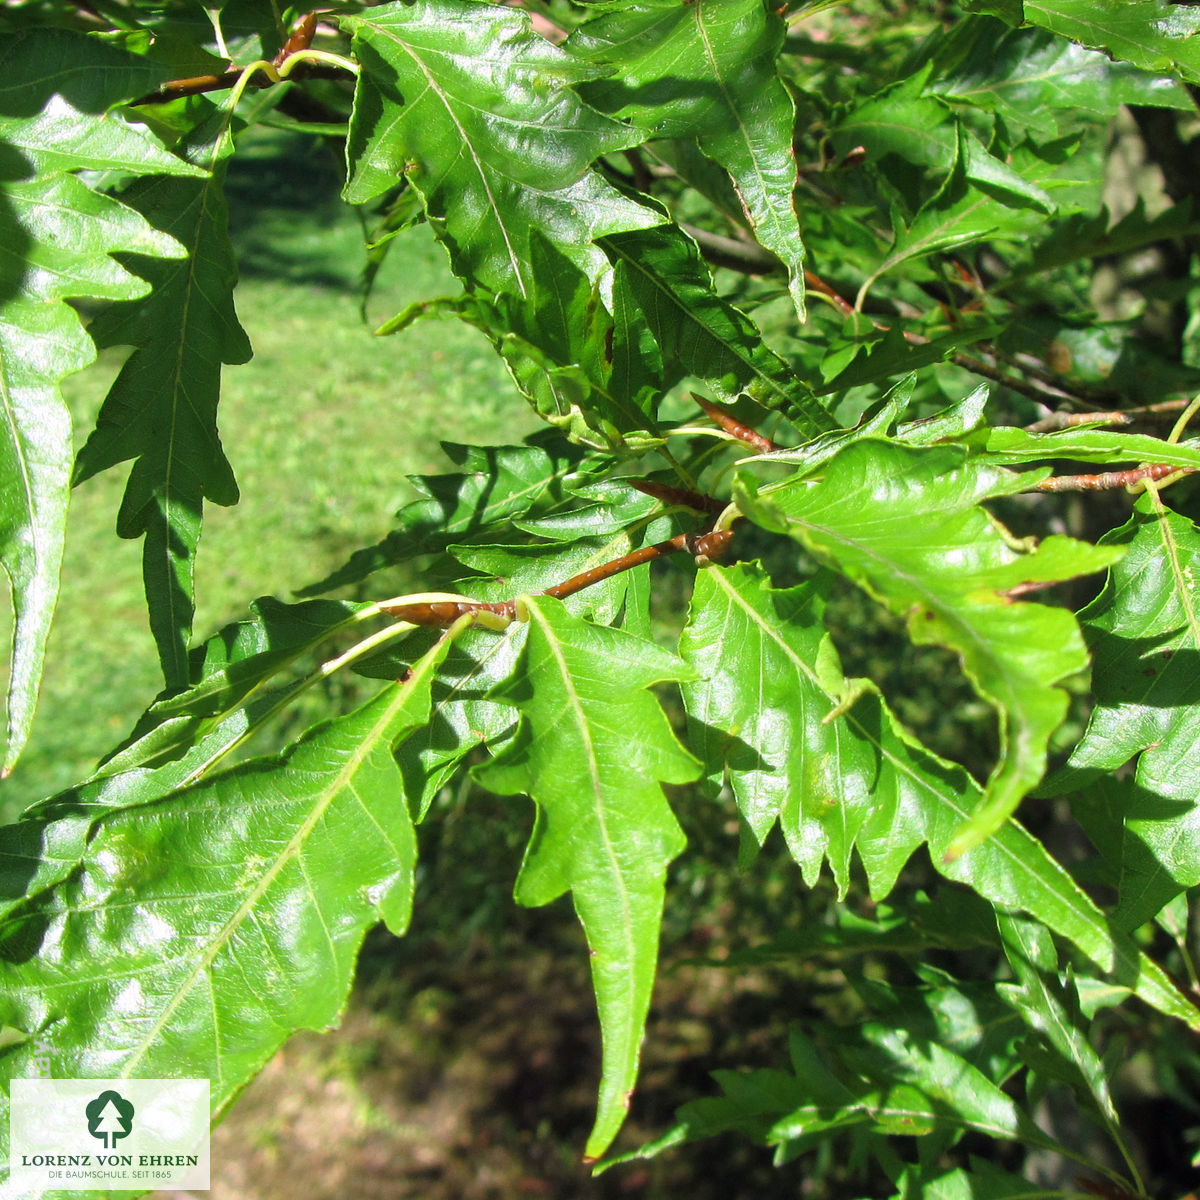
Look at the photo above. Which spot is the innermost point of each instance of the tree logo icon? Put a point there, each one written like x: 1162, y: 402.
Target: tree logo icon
x: 109, y: 1117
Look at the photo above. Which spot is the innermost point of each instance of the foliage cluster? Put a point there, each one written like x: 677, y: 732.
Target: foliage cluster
x: 808, y: 299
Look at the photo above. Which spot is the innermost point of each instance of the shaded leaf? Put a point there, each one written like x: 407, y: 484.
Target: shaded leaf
x: 700, y: 332
x: 960, y: 214
x: 592, y: 750
x: 981, y: 1181
x: 60, y: 90
x: 904, y: 126
x: 1144, y: 634
x: 1048, y: 1006
x: 894, y: 354
x: 162, y: 409
x: 1095, y: 235
x: 559, y: 344
x: 902, y: 1075
x: 1043, y: 83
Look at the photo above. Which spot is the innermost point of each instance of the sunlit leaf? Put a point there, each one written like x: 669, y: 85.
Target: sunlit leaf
x: 592, y: 750
x: 167, y: 986
x: 58, y: 237
x: 496, y: 484
x: 477, y: 112
x: 1153, y: 34
x: 707, y: 70
x: 907, y: 525
x: 825, y: 757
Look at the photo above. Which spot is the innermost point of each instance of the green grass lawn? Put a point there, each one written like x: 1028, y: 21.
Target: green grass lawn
x: 321, y: 427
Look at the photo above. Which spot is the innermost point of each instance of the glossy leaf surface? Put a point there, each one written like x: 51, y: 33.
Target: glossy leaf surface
x: 58, y: 237
x: 477, y: 111
x: 592, y: 750
x: 946, y: 571
x: 707, y: 70
x: 167, y: 986
x: 825, y: 757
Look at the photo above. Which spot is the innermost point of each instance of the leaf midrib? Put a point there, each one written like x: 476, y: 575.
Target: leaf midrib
x: 324, y: 798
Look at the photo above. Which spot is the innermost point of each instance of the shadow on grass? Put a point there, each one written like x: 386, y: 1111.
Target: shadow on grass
x: 284, y: 192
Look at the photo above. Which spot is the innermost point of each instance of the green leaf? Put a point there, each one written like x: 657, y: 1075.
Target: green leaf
x: 197, y: 931
x: 592, y: 750
x: 1045, y: 84
x: 56, y: 109
x: 1010, y: 445
x: 1144, y: 634
x: 981, y: 1181
x: 496, y: 484
x: 162, y: 409
x: 1050, y: 1009
x: 902, y: 1076
x: 476, y: 111
x: 559, y: 344
x: 702, y: 333
x: 907, y: 525
x: 878, y: 421
x: 893, y: 354
x: 960, y: 214
x: 232, y: 670
x: 58, y: 239
x: 1093, y: 235
x: 1152, y: 34
x: 826, y: 756
x: 707, y: 70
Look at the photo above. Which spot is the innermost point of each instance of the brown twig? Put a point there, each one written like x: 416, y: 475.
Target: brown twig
x: 703, y: 547
x: 1068, y: 420
x: 817, y: 284
x: 174, y: 89
x: 300, y: 39
x: 752, y: 259
x: 1109, y: 480
x: 732, y: 425
x: 670, y: 494
x: 1127, y: 416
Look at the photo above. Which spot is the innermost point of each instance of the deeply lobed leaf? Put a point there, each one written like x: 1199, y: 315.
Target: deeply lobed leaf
x: 167, y: 986
x: 478, y: 113
x: 162, y: 409
x: 592, y: 750
x: 907, y: 525
x: 58, y: 237
x: 707, y: 70
x: 1144, y: 634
